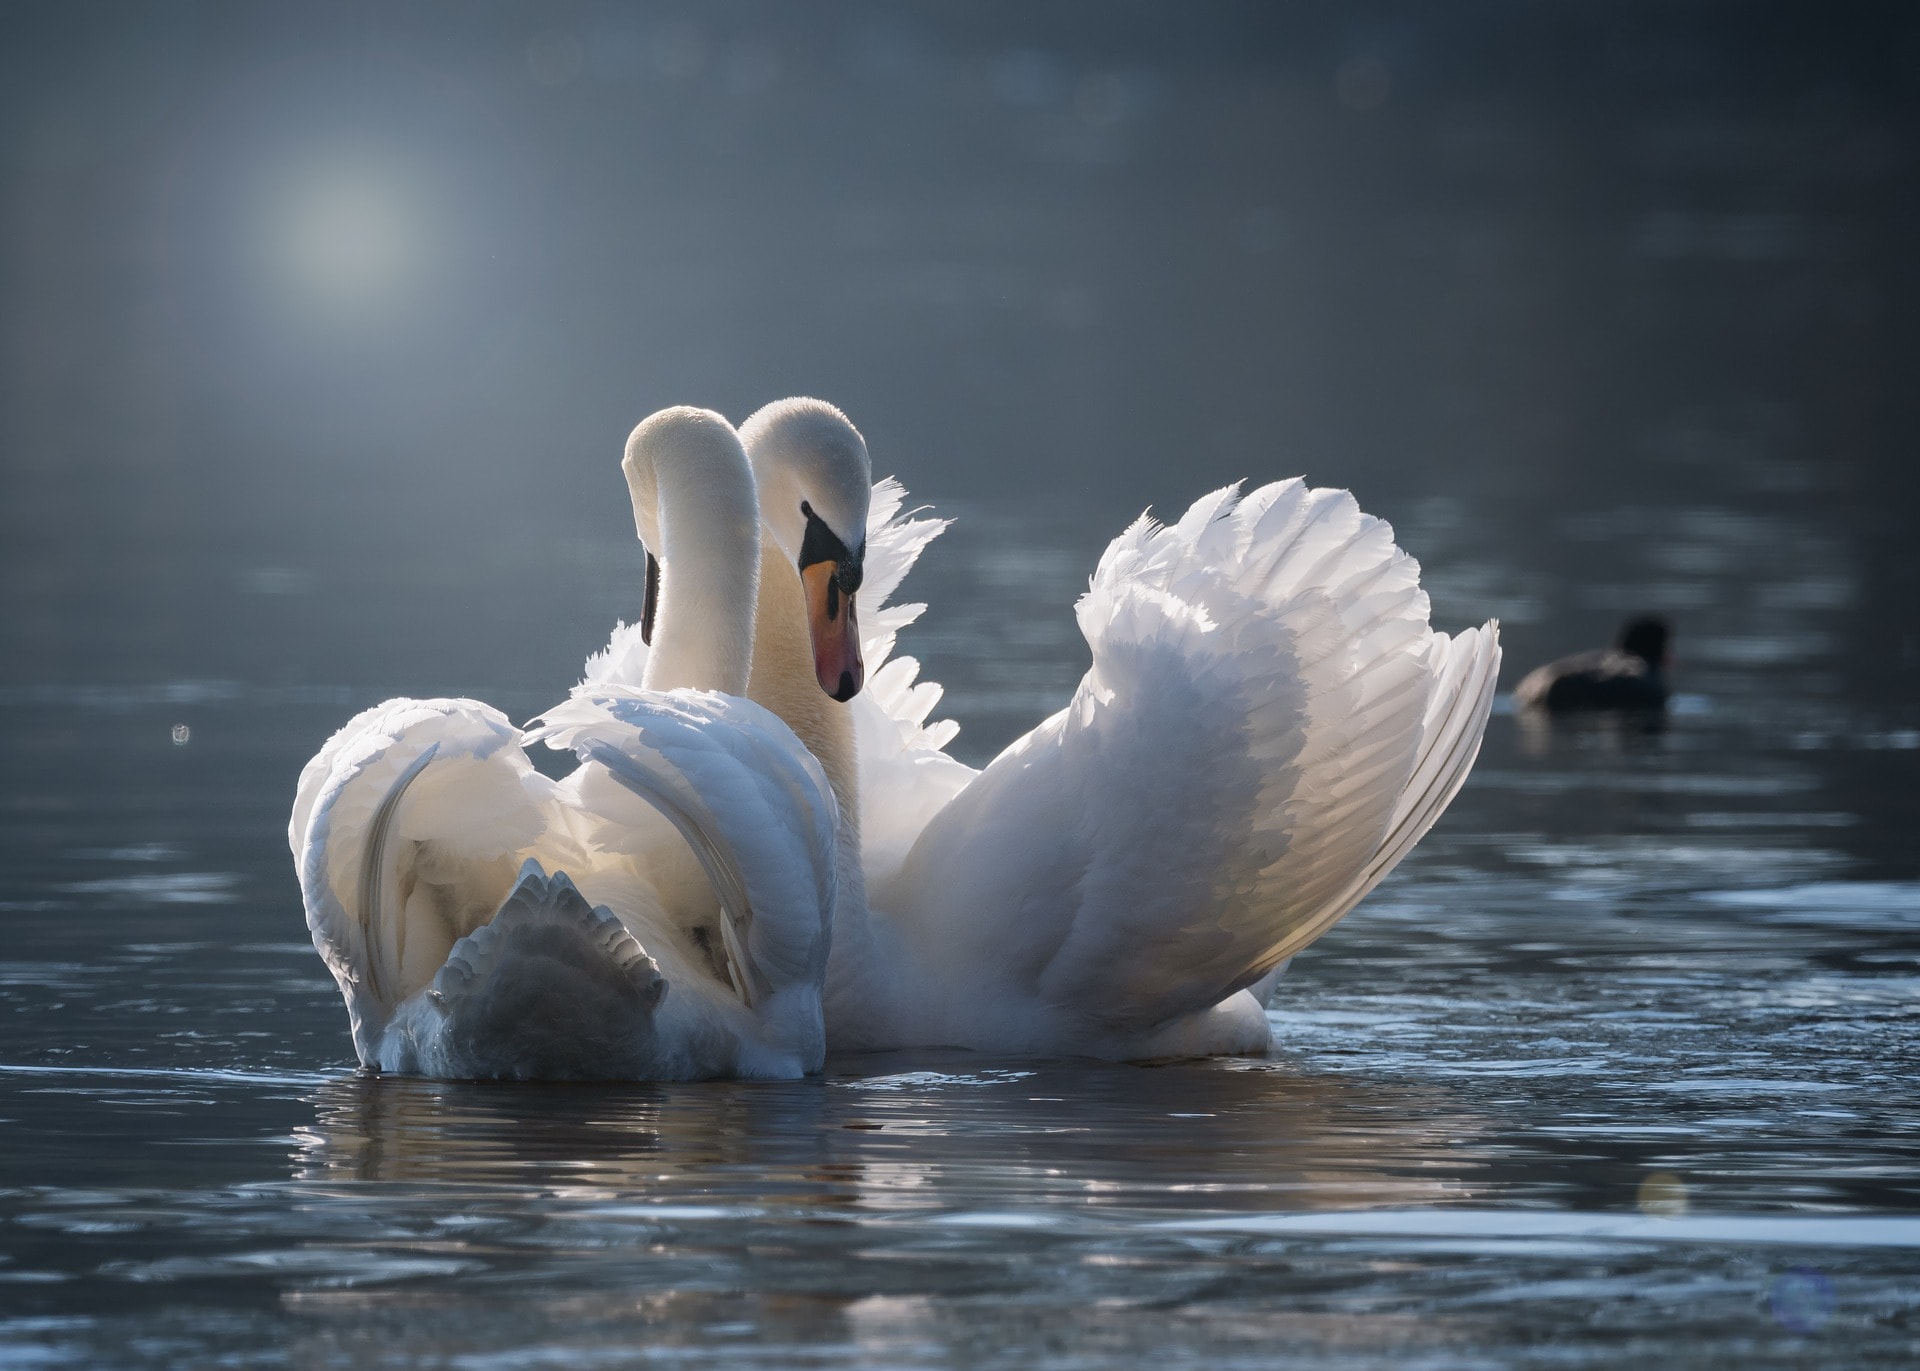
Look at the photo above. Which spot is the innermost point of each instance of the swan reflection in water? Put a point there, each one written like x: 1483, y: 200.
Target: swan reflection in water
x: 950, y: 1132
x: 899, y: 1204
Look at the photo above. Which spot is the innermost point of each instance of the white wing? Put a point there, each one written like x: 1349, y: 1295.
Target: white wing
x: 906, y: 775
x: 622, y: 662
x: 421, y: 834
x: 1268, y: 725
x: 408, y: 830
x: 749, y: 799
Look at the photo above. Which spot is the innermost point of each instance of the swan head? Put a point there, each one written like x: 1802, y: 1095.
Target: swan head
x: 695, y: 509
x: 811, y: 468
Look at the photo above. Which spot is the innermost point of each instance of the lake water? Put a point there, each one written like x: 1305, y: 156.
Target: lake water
x: 1621, y: 1062
x: 1608, y: 310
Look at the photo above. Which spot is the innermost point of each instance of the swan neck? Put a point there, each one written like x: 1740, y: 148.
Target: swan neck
x: 783, y: 681
x: 706, y: 537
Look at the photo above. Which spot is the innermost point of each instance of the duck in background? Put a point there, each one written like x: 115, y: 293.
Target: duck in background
x: 1632, y: 675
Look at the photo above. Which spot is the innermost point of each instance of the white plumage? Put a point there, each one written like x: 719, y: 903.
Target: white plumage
x: 1236, y: 769
x: 661, y: 913
x: 1268, y: 726
x: 425, y: 840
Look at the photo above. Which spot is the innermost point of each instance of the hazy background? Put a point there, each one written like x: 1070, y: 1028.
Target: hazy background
x: 321, y: 326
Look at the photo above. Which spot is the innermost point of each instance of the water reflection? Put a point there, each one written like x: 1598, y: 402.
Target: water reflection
x: 932, y: 1211
x: 1622, y: 731
x: 948, y: 1132
x: 633, y: 1138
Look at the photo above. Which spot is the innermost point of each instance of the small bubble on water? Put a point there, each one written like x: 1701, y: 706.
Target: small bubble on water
x: 182, y: 735
x: 1663, y: 1195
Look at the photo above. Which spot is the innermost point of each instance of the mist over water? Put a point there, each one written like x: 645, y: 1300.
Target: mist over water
x: 322, y: 330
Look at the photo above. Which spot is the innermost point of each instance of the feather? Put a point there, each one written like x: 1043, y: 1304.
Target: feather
x: 1268, y: 725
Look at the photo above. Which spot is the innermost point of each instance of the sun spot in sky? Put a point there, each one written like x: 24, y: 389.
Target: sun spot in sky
x: 346, y: 237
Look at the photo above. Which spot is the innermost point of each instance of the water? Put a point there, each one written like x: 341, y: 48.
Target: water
x: 1607, y: 316
x: 1620, y: 1063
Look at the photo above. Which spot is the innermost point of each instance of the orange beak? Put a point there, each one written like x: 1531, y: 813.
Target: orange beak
x: 836, y: 637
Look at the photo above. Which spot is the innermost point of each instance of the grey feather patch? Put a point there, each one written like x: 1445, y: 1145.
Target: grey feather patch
x: 553, y: 988
x: 537, y: 898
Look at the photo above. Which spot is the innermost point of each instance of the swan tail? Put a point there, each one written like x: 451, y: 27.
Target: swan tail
x: 751, y: 802
x: 551, y: 988
x: 407, y: 830
x: 1250, y: 748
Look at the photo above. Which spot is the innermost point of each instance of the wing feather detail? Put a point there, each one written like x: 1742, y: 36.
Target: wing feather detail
x: 1269, y: 724
x: 906, y: 775
x: 751, y: 801
x: 411, y: 823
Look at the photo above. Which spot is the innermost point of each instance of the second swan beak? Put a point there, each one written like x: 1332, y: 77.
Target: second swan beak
x: 836, y: 634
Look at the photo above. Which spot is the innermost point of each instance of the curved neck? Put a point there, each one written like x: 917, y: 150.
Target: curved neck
x: 857, y: 987
x: 695, y: 508
x: 783, y: 681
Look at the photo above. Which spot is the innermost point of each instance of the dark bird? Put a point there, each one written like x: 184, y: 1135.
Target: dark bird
x: 1630, y: 675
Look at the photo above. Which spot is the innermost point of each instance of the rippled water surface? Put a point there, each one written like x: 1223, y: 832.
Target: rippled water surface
x: 1620, y: 1062
x: 1607, y: 308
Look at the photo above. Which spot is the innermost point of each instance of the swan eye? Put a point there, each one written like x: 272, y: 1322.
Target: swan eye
x: 822, y: 544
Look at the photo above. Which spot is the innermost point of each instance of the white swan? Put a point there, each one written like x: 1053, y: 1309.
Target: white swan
x: 1268, y: 726
x: 682, y: 932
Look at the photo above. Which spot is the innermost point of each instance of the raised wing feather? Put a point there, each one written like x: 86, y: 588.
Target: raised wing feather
x: 408, y: 830
x: 1465, y: 668
x: 749, y: 798
x: 1267, y: 725
x: 623, y: 661
x: 906, y: 775
x: 416, y: 819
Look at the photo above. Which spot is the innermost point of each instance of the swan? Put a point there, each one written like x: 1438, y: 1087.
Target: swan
x: 1268, y: 726
x: 660, y: 913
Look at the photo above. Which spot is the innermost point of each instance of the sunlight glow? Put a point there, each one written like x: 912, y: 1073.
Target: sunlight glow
x: 348, y: 237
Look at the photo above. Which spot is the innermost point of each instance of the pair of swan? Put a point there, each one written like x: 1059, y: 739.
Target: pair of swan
x: 662, y: 912
x: 1268, y: 726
